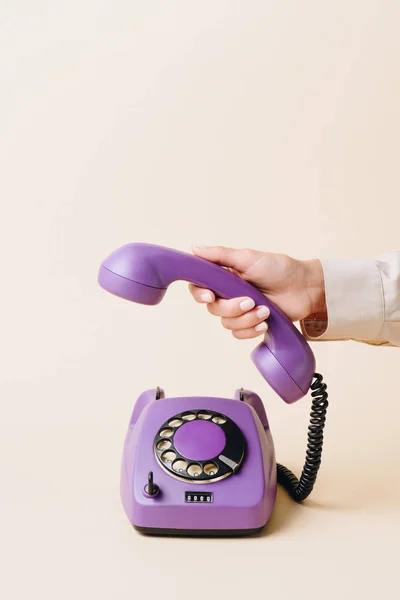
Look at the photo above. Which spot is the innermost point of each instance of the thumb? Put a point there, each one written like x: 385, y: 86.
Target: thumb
x: 226, y: 257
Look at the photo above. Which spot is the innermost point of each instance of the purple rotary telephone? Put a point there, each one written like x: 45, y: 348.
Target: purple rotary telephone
x: 205, y: 465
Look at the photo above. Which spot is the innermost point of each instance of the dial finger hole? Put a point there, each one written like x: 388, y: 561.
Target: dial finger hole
x: 219, y: 420
x: 175, y: 423
x: 195, y: 470
x: 164, y: 445
x: 179, y: 466
x: 166, y: 433
x: 189, y: 417
x: 204, y: 416
x: 168, y: 457
x: 210, y: 469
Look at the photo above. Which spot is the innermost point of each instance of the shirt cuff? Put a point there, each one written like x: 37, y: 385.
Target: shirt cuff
x: 354, y: 300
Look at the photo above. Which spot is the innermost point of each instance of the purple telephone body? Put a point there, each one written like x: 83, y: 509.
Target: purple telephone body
x: 205, y: 465
x: 142, y: 273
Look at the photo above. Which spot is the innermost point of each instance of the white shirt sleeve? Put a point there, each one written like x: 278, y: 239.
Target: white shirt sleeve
x: 363, y: 302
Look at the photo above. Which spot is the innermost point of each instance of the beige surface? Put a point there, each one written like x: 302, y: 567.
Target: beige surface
x: 266, y: 124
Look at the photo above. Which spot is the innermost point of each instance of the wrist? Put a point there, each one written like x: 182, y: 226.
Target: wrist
x: 315, y: 284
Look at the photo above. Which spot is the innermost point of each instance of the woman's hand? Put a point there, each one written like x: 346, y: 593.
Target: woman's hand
x: 296, y: 286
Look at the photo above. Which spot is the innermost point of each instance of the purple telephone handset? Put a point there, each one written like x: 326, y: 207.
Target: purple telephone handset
x: 142, y: 273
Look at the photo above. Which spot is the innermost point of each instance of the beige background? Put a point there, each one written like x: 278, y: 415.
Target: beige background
x: 273, y: 125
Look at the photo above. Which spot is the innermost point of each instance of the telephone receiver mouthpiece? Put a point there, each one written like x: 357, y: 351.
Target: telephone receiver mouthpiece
x: 142, y: 273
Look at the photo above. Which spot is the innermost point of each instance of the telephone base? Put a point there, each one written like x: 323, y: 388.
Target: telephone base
x: 198, y: 466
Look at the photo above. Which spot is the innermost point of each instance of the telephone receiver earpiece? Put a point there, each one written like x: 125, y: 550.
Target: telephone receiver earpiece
x: 142, y: 273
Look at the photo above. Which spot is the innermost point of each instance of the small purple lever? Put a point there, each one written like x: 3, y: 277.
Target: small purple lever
x: 142, y: 273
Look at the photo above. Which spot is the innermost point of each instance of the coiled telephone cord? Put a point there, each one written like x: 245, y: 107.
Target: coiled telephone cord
x: 300, y: 489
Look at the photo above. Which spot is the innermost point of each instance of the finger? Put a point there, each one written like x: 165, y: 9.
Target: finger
x: 231, y: 308
x: 227, y: 257
x: 247, y: 334
x: 201, y: 295
x: 254, y: 318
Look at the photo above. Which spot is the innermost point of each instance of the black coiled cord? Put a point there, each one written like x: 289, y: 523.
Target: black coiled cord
x: 300, y: 489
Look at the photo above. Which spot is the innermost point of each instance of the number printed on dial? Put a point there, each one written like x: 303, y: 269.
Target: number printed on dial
x: 196, y: 497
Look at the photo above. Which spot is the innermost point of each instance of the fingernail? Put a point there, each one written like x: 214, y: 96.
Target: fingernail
x: 263, y: 312
x: 261, y: 326
x: 206, y: 297
x: 199, y: 246
x: 247, y: 304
